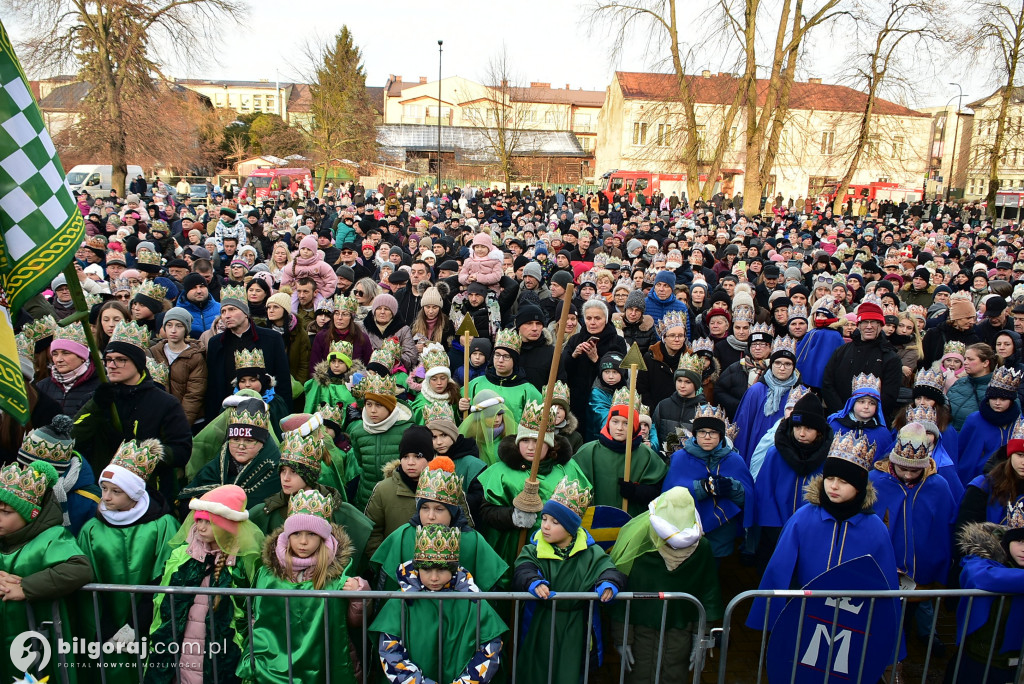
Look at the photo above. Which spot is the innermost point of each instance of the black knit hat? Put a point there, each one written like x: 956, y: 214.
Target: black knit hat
x: 809, y: 412
x: 417, y: 440
x: 529, y: 313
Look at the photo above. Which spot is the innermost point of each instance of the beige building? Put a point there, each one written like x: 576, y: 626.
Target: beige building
x: 947, y: 164
x: 981, y: 140
x: 245, y: 97
x: 538, y: 107
x: 640, y: 123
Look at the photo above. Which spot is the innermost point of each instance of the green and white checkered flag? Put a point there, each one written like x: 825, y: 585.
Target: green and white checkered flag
x: 40, y: 225
x: 39, y: 219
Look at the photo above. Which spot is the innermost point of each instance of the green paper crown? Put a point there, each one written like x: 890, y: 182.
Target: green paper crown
x: 131, y: 333
x: 509, y: 339
x: 434, y: 356
x: 622, y: 397
x: 72, y: 333
x: 23, y: 488
x: 39, y: 329
x: 140, y: 458
x: 393, y: 348
x: 92, y: 300
x: 249, y: 358
x: 560, y: 395
x: 440, y: 485
x: 332, y: 413
x: 954, y: 347
x: 258, y: 419
x: 437, y: 544
x: 310, y: 502
x: 434, y: 410
x: 236, y: 292
x: 151, y: 289
x: 382, y: 357
x: 304, y: 451
x: 532, y: 414
x: 375, y: 384
x: 342, y: 347
x: 572, y: 496
x: 159, y: 372
x: 692, y: 363
x: 346, y: 304
x: 26, y: 348
x: 149, y: 258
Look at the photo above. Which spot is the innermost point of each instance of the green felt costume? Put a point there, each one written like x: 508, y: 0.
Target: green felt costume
x: 130, y: 554
x: 458, y: 625
x: 270, y: 515
x: 604, y: 467
x: 259, y: 477
x: 373, y: 451
x: 475, y: 555
x: 515, y: 396
x: 41, y: 548
x: 207, y: 444
x: 582, y: 568
x: 322, y: 388
x: 271, y: 651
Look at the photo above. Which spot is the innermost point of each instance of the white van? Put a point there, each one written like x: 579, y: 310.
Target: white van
x: 95, y: 178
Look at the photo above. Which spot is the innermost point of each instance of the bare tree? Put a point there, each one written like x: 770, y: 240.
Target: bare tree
x: 1000, y: 35
x: 112, y: 42
x: 503, y: 118
x: 897, y: 32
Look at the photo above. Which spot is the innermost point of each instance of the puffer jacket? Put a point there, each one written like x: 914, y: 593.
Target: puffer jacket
x: 658, y: 381
x: 642, y: 332
x: 73, y: 399
x: 675, y: 412
x: 202, y: 318
x: 187, y: 380
x: 372, y: 452
x: 965, y: 397
x: 732, y: 385
x: 391, y: 505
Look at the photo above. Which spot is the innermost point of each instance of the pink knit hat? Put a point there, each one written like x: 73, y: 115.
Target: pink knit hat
x: 483, y: 239
x: 223, y: 506
x: 308, y: 242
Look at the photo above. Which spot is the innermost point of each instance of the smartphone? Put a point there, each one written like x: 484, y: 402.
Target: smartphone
x: 595, y: 340
x: 742, y: 265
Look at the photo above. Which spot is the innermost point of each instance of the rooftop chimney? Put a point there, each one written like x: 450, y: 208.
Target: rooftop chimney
x: 815, y: 81
x: 423, y: 79
x: 567, y: 86
x: 705, y: 74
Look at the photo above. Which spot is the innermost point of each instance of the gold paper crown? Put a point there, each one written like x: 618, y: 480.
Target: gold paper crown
x: 1015, y: 515
x: 796, y: 311
x: 743, y: 313
x: 437, y: 410
x: 702, y: 345
x: 645, y: 410
x: 249, y: 358
x: 394, y: 349
x: 383, y: 358
x: 857, y: 450
x: 72, y: 333
x: 236, y: 292
x: 343, y: 347
x: 114, y: 256
x: 310, y: 502
x: 796, y: 394
x: 346, y: 304
x: 622, y: 396
x: 39, y: 329
x: 375, y: 384
x: 560, y: 395
x: 132, y: 333
x: 28, y: 483
x: 92, y: 300
x: 532, y: 414
x: 912, y: 448
x: 440, y: 485
x: 304, y: 451
x: 691, y: 362
x: 434, y: 356
x: 784, y: 343
x: 140, y: 458
x: 159, y: 372
x: 151, y: 289
x: 673, y: 319
x: 25, y: 347
x: 922, y: 414
x: 954, y: 347
x: 333, y: 413
x: 866, y: 382
x: 144, y: 256
x: 892, y: 261
x: 572, y: 496
x: 119, y: 285
x: 710, y: 411
x: 436, y: 544
x: 930, y: 378
x: 509, y: 339
x: 259, y: 419
x: 1005, y: 379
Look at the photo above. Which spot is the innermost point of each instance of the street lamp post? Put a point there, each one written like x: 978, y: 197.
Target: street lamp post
x: 439, y: 44
x: 956, y: 132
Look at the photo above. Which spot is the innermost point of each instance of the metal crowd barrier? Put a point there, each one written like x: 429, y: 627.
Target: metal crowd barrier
x: 838, y: 668
x: 371, y: 668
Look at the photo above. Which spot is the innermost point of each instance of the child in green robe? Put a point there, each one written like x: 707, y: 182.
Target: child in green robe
x: 562, y: 556
x: 488, y: 423
x: 440, y: 420
x: 329, y: 383
x: 566, y: 425
x: 251, y: 373
x: 437, y: 386
x: 127, y: 542
x: 408, y: 644
x: 663, y: 549
x: 216, y: 546
x: 40, y: 562
x: 307, y: 552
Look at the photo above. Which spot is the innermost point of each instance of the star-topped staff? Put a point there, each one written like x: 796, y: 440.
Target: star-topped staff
x: 466, y: 332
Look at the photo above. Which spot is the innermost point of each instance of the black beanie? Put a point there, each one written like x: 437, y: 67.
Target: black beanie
x: 191, y: 281
x: 846, y: 470
x: 528, y: 313
x: 135, y: 354
x: 809, y: 412
x: 417, y: 440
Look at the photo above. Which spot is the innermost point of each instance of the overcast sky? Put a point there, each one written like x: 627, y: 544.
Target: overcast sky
x: 545, y: 39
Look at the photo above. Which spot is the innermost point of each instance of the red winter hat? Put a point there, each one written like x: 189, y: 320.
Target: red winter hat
x: 869, y: 311
x: 718, y: 311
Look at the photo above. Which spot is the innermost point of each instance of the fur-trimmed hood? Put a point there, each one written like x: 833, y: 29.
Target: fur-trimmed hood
x: 815, y: 487
x: 508, y: 452
x: 390, y: 467
x: 985, y: 541
x: 883, y: 466
x: 321, y: 371
x: 337, y: 566
x: 571, y: 424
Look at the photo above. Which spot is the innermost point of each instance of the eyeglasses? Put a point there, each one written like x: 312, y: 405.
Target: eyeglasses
x: 123, y: 297
x: 675, y: 336
x: 242, y: 442
x: 707, y: 433
x: 502, y: 356
x: 358, y: 293
x: 115, y: 362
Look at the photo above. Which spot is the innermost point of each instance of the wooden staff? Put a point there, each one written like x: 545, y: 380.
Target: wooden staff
x: 467, y: 331
x: 529, y: 499
x: 633, y: 360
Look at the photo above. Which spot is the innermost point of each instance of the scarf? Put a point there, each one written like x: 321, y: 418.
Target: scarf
x: 124, y: 518
x: 65, y: 484
x: 736, y: 344
x: 824, y: 323
x: 615, y: 445
x: 846, y: 510
x: 68, y: 380
x: 434, y: 396
x: 400, y: 413
x: 803, y: 459
x: 999, y: 419
x: 711, y: 458
x: 777, y: 389
x: 675, y: 557
x: 301, y: 566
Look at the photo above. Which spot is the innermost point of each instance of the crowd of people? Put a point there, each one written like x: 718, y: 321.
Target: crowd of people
x: 289, y: 399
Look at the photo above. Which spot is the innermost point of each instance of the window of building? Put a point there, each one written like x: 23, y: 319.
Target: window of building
x: 549, y: 117
x: 872, y: 149
x: 586, y: 142
x: 828, y: 141
x: 412, y: 110
x: 639, y: 133
x: 270, y: 102
x: 664, y: 135
x: 897, y: 147
x: 530, y: 116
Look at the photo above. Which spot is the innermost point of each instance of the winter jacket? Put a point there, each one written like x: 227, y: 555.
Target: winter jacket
x: 675, y: 411
x: 936, y: 338
x: 642, y: 332
x: 658, y: 381
x: 488, y: 271
x: 391, y: 505
x: 202, y: 317
x: 187, y: 379
x: 394, y: 329
x: 580, y: 372
x: 733, y: 384
x: 73, y: 399
x: 877, y: 357
x: 296, y: 342
x: 373, y: 451
x: 657, y: 308
x: 965, y: 397
x: 317, y: 269
x: 727, y: 352
x: 535, y: 359
x: 220, y: 365
x: 924, y: 297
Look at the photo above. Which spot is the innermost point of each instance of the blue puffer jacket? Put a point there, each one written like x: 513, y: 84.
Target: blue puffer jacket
x: 202, y: 319
x: 657, y: 308
x: 965, y: 397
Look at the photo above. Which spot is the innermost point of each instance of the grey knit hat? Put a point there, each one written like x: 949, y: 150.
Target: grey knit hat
x: 181, y: 315
x: 637, y: 299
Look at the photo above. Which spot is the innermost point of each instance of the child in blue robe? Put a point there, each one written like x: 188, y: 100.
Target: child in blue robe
x: 862, y: 414
x: 988, y: 428
x: 816, y: 347
x: 764, y: 403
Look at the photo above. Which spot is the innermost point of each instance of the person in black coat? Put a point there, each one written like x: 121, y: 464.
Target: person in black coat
x: 537, y: 352
x: 737, y: 378
x: 958, y: 327
x: 582, y: 352
x: 869, y: 351
x: 241, y: 333
x: 997, y: 319
x: 662, y: 359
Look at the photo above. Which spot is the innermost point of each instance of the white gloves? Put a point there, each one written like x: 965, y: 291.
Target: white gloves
x: 125, y: 635
x: 522, y: 519
x: 627, y: 656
